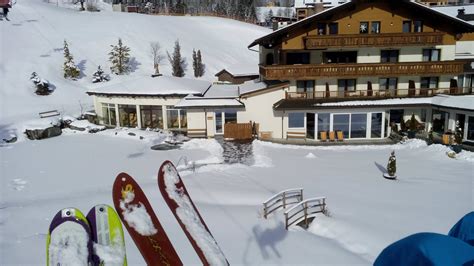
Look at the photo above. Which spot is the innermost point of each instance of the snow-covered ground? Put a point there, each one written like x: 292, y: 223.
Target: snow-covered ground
x: 367, y: 212
x: 33, y: 40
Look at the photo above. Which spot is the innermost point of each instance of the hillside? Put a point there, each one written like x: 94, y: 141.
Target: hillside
x: 33, y: 38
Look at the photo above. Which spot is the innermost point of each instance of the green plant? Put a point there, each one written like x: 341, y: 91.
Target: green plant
x: 392, y: 164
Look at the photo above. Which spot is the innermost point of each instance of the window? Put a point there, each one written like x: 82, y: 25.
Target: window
x: 128, y: 115
x: 431, y: 55
x: 375, y: 27
x: 297, y: 58
x: 223, y: 117
x: 341, y: 123
x: 417, y: 26
x: 423, y: 115
x: 358, y: 125
x: 304, y: 86
x: 376, y: 129
x: 296, y: 120
x: 108, y: 114
x: 333, y: 28
x: 321, y: 27
x: 323, y: 123
x: 176, y: 118
x: 396, y: 116
x: 440, y: 120
x: 340, y: 57
x: 429, y: 82
x: 364, y: 27
x: 152, y: 116
x: 470, y: 128
x: 388, y: 84
x: 389, y: 56
x: 346, y: 85
x: 406, y: 27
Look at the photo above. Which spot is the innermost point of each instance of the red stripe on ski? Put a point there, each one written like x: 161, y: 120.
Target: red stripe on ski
x: 173, y: 205
x: 155, y: 248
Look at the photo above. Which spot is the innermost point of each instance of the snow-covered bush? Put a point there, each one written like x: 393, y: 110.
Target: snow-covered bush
x: 99, y: 76
x: 392, y: 164
x: 42, y: 85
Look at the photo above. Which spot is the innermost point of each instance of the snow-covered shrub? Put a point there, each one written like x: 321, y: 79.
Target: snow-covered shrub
x: 91, y: 5
x: 100, y: 76
x: 120, y: 58
x: 42, y: 85
x: 392, y: 164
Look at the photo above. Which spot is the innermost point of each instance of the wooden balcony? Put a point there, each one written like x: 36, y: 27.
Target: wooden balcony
x: 375, y: 94
x: 373, y: 40
x: 289, y: 72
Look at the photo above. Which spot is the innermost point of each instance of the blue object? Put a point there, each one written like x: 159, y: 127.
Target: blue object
x: 429, y: 249
x: 464, y: 229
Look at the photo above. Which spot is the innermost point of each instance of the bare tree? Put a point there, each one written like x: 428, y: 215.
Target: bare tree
x: 155, y: 49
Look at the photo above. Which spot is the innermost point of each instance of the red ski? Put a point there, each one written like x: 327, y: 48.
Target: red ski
x: 176, y: 196
x: 141, y: 222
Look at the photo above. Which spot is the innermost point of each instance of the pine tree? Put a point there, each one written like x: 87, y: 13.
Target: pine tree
x: 392, y: 164
x: 178, y: 64
x: 120, y: 58
x: 99, y: 76
x: 200, y: 66
x: 70, y: 69
x: 195, y: 64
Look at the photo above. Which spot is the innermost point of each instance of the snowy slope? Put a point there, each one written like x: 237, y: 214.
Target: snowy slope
x: 33, y: 38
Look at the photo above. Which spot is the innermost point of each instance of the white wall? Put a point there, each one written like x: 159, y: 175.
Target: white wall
x: 259, y: 108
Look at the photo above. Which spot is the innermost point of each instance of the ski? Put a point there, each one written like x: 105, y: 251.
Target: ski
x: 107, y: 236
x: 141, y: 222
x: 176, y: 196
x: 68, y: 241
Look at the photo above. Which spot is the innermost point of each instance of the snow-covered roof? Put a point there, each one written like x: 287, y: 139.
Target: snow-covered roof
x: 222, y: 91
x: 239, y: 70
x: 158, y: 86
x: 453, y: 10
x: 326, y: 3
x: 448, y: 101
x: 252, y: 86
x: 203, y: 102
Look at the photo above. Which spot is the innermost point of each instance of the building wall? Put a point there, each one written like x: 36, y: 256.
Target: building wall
x: 391, y: 22
x: 259, y: 109
x: 138, y: 101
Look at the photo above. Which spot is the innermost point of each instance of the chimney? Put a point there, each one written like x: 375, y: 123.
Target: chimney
x: 461, y: 12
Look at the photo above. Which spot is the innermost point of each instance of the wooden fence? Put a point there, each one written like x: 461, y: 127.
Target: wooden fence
x: 282, y: 199
x: 304, y: 210
x: 238, y: 131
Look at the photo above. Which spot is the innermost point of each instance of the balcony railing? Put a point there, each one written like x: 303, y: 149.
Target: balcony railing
x: 373, y: 40
x: 376, y: 94
x: 288, y: 72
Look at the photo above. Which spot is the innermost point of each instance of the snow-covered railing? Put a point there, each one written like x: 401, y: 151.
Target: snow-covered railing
x: 49, y: 114
x: 304, y: 210
x: 282, y: 199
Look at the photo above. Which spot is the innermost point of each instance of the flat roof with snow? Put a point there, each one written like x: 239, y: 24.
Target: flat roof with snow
x: 157, y: 86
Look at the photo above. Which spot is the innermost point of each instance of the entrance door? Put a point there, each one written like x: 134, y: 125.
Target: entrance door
x: 310, y: 124
x: 219, y: 122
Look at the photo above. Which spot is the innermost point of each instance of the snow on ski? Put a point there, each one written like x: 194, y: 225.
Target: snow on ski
x: 68, y: 241
x: 176, y: 196
x: 107, y: 236
x: 141, y: 222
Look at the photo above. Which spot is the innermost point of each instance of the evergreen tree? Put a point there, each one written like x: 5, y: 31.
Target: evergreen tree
x: 99, y: 76
x: 70, y: 69
x: 392, y: 164
x: 198, y: 66
x: 178, y: 64
x: 120, y: 58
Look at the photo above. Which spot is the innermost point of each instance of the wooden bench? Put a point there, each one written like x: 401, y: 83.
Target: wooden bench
x: 197, y: 133
x: 49, y: 114
x: 295, y: 135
